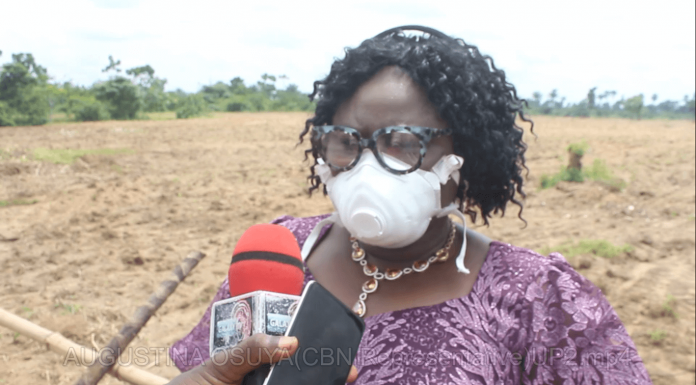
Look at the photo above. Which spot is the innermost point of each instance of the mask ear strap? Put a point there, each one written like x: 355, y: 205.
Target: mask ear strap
x: 322, y: 170
x: 462, y: 252
x: 452, y: 209
x: 448, y: 167
x: 314, y: 235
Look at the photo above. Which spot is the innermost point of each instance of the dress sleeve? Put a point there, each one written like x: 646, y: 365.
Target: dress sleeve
x: 575, y: 336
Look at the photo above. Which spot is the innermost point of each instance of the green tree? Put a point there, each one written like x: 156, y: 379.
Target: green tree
x: 23, y: 98
x: 146, y: 71
x: 113, y: 65
x: 267, y: 85
x: 55, y: 95
x: 668, y: 106
x: 121, y: 96
x: 291, y: 99
x: 537, y: 98
x: 237, y: 86
x: 90, y: 110
x: 607, y: 95
x: 591, y: 98
x: 78, y: 103
x: 191, y: 106
x: 214, y: 92
x: 550, y: 104
x: 175, y: 99
x: 689, y: 104
x: 154, y: 97
x: 634, y: 105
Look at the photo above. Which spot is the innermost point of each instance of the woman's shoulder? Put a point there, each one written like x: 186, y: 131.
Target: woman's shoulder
x: 560, y: 309
x: 538, y: 279
x: 523, y: 267
x: 299, y: 226
x: 520, y: 258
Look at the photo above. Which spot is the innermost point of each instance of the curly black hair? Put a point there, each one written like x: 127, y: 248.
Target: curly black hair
x: 470, y: 93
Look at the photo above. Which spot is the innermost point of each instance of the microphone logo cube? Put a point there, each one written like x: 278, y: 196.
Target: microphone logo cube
x: 237, y: 318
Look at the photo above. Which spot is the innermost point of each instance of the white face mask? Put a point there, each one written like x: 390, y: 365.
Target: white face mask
x: 387, y: 210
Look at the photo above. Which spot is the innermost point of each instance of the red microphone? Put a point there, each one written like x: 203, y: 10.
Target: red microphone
x: 266, y: 258
x: 266, y: 277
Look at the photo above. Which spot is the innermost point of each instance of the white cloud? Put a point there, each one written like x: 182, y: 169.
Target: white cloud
x: 630, y: 46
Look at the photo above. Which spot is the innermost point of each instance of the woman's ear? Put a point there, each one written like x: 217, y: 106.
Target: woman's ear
x: 448, y: 192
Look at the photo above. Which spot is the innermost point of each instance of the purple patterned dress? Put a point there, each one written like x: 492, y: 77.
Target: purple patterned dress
x: 529, y: 319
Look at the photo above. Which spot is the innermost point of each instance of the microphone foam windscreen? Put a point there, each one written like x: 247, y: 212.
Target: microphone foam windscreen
x: 266, y: 257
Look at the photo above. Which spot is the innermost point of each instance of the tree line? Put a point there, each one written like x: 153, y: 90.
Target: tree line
x: 29, y: 97
x: 608, y: 104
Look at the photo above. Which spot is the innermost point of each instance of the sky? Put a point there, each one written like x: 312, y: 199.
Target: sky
x: 630, y: 46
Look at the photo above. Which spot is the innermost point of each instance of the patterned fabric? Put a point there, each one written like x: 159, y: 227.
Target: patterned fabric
x: 529, y: 319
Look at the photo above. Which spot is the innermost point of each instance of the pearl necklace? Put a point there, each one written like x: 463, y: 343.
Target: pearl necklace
x: 370, y: 270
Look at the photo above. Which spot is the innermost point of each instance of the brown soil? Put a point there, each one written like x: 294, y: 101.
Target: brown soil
x: 105, y: 230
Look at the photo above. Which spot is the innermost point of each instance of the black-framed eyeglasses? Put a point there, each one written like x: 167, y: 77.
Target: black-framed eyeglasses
x: 399, y: 149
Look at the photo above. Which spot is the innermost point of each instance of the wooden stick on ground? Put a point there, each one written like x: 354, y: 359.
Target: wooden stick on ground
x: 74, y: 352
x: 108, y: 355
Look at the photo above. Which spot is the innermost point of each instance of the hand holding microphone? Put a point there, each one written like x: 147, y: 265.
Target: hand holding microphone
x: 231, y: 365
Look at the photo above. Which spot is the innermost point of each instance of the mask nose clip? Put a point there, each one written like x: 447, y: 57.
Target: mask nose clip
x: 325, y: 173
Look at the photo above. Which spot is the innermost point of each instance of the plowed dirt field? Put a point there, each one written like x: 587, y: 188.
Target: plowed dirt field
x: 83, y: 244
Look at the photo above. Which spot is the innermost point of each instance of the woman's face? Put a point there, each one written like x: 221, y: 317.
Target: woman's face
x: 392, y: 98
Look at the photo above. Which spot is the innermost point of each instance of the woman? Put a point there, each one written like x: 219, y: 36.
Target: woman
x: 409, y: 130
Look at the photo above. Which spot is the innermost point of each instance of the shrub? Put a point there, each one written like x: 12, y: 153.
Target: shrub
x: 598, y: 171
x: 564, y: 174
x: 122, y: 97
x: 191, y: 106
x: 634, y: 106
x: 23, y: 98
x: 581, y: 110
x: 34, y: 110
x: 292, y: 100
x: 259, y: 102
x: 91, y: 112
x: 657, y: 336
x: 236, y: 103
x: 668, y: 307
x: 237, y: 106
x: 601, y: 173
x: 6, y: 118
x: 154, y: 97
x: 578, y: 149
x: 28, y: 109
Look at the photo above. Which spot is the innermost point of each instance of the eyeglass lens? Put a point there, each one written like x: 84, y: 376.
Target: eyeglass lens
x: 340, y: 148
x: 400, y: 150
